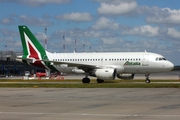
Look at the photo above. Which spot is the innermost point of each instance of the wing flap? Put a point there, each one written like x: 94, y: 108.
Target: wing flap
x: 87, y: 67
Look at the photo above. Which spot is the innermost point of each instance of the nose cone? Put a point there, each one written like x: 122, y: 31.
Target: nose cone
x: 169, y: 66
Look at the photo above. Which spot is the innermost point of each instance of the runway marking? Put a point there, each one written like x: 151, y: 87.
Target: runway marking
x: 25, y: 113
x: 133, y: 115
x: 86, y: 114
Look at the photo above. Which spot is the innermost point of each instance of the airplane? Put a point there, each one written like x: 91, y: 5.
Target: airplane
x: 102, y: 65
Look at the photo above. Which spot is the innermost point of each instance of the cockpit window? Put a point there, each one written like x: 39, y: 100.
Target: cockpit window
x: 160, y: 58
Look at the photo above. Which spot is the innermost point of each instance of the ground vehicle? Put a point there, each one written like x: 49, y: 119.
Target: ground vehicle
x: 40, y: 74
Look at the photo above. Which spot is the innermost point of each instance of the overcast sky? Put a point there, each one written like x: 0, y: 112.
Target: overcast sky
x: 95, y: 25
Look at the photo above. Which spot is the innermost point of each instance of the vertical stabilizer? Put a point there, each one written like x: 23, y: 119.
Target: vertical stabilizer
x: 32, y: 49
x: 31, y: 46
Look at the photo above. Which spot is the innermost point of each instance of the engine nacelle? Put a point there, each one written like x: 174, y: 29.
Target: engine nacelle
x: 126, y: 76
x: 104, y: 74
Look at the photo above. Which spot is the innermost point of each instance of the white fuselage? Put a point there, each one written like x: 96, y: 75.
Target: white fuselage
x: 124, y: 62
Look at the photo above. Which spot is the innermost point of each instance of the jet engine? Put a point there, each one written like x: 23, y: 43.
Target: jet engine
x: 104, y: 74
x: 126, y: 76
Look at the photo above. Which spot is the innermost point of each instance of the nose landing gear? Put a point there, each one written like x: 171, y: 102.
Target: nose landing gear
x: 147, y: 78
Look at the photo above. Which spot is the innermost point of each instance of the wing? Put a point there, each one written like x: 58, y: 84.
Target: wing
x: 84, y: 66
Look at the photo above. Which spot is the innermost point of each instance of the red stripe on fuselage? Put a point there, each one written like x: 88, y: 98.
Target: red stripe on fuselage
x: 34, y: 54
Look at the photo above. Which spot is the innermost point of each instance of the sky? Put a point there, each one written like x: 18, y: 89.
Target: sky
x: 95, y: 25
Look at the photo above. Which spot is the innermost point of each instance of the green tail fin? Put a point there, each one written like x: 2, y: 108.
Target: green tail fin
x: 31, y: 46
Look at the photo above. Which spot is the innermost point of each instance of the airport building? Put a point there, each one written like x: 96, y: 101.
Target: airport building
x: 10, y: 67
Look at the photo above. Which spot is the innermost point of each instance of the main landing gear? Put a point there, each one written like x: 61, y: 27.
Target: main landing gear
x: 147, y: 78
x: 87, y: 80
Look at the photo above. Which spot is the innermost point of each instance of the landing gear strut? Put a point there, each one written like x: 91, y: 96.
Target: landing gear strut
x: 147, y: 78
x: 100, y: 81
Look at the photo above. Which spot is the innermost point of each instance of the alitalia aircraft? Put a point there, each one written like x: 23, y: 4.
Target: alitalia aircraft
x: 103, y: 66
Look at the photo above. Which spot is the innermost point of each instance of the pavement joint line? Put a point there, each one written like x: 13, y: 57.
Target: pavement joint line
x: 86, y: 114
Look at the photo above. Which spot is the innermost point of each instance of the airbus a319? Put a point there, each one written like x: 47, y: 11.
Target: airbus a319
x: 103, y: 65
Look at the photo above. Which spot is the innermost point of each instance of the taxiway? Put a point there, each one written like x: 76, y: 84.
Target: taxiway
x: 89, y: 103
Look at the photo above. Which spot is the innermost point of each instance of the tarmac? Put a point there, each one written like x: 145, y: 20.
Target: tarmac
x: 89, y: 103
x: 92, y: 103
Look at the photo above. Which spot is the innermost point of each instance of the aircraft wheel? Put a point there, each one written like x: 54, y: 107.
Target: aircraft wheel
x: 148, y: 81
x: 85, y: 80
x: 147, y: 78
x: 100, y: 81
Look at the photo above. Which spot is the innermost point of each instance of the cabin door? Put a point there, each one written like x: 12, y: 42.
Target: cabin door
x: 145, y: 60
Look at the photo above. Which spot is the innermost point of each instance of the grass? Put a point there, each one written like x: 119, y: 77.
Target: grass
x: 80, y: 81
x: 78, y: 84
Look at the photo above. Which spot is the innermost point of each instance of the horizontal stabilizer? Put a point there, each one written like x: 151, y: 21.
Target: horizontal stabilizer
x: 29, y: 60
